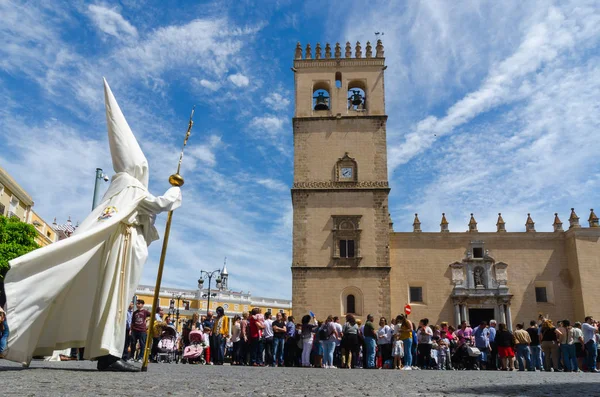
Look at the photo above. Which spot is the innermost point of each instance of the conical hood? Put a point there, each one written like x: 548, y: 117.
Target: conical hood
x: 127, y: 156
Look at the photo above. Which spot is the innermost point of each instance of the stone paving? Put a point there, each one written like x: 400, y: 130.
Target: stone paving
x: 81, y: 379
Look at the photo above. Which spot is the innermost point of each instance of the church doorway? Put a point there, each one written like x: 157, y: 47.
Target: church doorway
x: 476, y: 316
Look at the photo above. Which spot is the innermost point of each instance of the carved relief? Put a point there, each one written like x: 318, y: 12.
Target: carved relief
x: 458, y: 274
x: 340, y: 185
x: 501, y: 274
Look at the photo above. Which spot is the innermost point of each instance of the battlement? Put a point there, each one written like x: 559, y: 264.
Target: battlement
x: 529, y: 223
x: 329, y: 84
x: 321, y: 55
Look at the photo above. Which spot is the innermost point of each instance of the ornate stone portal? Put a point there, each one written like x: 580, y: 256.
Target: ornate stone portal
x: 480, y: 283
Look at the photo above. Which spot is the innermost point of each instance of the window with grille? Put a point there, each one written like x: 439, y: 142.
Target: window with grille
x: 541, y: 295
x: 416, y: 294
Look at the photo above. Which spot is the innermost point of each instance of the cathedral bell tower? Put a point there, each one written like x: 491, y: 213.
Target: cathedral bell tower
x: 341, y: 222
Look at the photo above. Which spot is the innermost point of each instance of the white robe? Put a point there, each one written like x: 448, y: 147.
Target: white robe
x: 75, y: 293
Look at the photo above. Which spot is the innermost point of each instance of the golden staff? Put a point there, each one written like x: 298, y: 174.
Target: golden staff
x: 174, y: 180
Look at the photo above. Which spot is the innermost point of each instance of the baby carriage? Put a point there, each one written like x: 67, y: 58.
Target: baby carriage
x: 194, y: 352
x: 465, y: 357
x: 167, y: 346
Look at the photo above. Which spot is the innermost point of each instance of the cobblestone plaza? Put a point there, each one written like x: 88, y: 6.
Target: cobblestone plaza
x: 82, y: 379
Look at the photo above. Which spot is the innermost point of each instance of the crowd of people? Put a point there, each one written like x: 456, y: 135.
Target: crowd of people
x: 257, y: 339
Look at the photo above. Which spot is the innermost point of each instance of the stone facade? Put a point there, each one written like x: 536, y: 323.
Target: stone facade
x: 346, y: 257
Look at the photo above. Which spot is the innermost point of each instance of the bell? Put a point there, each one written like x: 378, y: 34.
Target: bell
x: 321, y: 102
x: 356, y: 99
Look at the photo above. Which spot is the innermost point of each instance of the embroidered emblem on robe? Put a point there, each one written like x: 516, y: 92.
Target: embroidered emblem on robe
x: 107, y: 213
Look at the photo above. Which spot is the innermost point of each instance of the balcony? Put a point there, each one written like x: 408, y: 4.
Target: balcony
x: 10, y: 214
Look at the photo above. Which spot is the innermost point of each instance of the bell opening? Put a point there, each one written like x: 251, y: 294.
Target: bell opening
x: 356, y: 99
x: 321, y: 100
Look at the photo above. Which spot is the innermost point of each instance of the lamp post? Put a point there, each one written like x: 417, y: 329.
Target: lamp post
x: 208, y: 276
x: 100, y: 176
x: 174, y: 310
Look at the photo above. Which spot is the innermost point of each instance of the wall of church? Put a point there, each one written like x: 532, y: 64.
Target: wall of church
x: 324, y: 291
x: 583, y: 253
x: 319, y: 143
x: 313, y: 237
x: 534, y: 259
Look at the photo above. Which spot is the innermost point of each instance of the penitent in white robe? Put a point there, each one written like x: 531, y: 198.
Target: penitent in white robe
x: 75, y: 293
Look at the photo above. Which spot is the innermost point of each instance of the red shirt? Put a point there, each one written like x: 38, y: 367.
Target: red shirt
x: 138, y: 320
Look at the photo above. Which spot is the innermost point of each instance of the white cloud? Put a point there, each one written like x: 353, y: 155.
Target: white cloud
x: 273, y: 184
x: 111, y: 22
x: 276, y: 101
x: 239, y: 80
x: 269, y: 124
x: 206, y: 151
x: 549, y: 38
x: 211, y: 85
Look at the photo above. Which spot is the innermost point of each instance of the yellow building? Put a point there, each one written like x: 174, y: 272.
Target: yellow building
x: 196, y: 301
x: 347, y: 258
x: 16, y: 202
x: 45, y: 232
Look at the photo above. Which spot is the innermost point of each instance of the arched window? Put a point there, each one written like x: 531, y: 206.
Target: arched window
x: 350, y: 304
x: 357, y: 98
x: 351, y: 301
x: 321, y: 97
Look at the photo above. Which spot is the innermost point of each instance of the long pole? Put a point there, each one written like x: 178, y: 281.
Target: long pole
x: 174, y: 180
x: 208, y: 303
x: 99, y: 174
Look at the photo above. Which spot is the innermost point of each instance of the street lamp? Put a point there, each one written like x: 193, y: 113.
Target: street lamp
x: 174, y: 310
x: 209, y: 276
x: 100, y: 176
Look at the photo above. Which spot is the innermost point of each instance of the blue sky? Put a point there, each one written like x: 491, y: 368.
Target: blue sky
x: 493, y: 108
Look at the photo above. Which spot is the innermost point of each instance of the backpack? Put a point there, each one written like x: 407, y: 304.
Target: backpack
x: 323, y: 333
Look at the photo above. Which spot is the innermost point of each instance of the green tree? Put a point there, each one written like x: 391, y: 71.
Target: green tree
x: 16, y: 238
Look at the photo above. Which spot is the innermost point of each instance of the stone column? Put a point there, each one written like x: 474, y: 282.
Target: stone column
x: 508, y: 318
x: 502, y: 314
x: 463, y: 314
x: 456, y: 315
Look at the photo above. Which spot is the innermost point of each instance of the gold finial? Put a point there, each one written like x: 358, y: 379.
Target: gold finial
x: 444, y: 221
x: 176, y: 179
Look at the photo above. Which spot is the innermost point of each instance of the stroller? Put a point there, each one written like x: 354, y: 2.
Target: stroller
x: 167, y: 346
x: 194, y: 352
x: 465, y: 357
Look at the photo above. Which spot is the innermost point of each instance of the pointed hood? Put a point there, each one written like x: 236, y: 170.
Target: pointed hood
x: 127, y: 156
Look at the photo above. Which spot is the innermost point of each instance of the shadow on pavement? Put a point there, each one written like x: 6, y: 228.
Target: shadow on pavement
x: 588, y: 384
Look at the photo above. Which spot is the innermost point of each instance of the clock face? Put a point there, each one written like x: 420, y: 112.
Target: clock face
x: 347, y: 172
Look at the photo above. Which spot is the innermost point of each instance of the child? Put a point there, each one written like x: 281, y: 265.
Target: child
x: 444, y: 351
x: 398, y: 351
x: 206, y: 345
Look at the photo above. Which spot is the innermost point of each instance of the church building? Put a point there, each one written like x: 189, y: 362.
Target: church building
x: 348, y: 259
